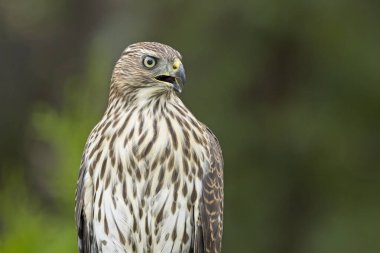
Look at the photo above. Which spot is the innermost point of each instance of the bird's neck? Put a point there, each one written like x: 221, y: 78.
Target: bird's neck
x: 147, y: 98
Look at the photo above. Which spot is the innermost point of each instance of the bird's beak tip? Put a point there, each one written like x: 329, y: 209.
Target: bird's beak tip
x: 180, y: 79
x: 177, y: 86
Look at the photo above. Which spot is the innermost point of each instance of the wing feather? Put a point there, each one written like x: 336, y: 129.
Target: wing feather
x: 210, y: 226
x: 85, y: 235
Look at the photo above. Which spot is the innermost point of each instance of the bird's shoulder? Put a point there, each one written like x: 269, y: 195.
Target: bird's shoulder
x: 214, y: 147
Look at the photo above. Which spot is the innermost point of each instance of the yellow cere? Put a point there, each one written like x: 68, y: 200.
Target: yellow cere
x: 176, y: 64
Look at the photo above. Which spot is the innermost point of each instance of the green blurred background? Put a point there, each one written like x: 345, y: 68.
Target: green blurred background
x: 291, y: 89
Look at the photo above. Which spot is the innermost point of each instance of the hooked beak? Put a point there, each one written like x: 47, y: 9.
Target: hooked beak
x: 175, y: 77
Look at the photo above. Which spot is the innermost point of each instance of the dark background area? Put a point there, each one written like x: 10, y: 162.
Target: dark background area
x: 291, y: 89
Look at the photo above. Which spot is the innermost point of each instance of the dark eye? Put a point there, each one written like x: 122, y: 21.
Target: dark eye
x: 149, y: 62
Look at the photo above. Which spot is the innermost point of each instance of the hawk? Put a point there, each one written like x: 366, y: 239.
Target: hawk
x: 151, y: 175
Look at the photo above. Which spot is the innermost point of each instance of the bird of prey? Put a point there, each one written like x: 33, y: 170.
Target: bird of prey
x: 151, y: 175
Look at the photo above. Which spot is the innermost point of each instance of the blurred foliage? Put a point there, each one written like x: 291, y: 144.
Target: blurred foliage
x: 291, y: 89
x: 33, y: 226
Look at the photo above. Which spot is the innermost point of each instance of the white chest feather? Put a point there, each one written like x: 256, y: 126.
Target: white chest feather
x: 146, y: 168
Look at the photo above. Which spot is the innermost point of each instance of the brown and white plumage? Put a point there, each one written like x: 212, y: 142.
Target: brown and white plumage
x: 151, y: 176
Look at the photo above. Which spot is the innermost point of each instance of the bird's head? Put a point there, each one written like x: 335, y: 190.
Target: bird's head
x: 149, y: 65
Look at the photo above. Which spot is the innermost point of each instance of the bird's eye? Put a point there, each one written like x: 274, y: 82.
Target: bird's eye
x: 149, y: 62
